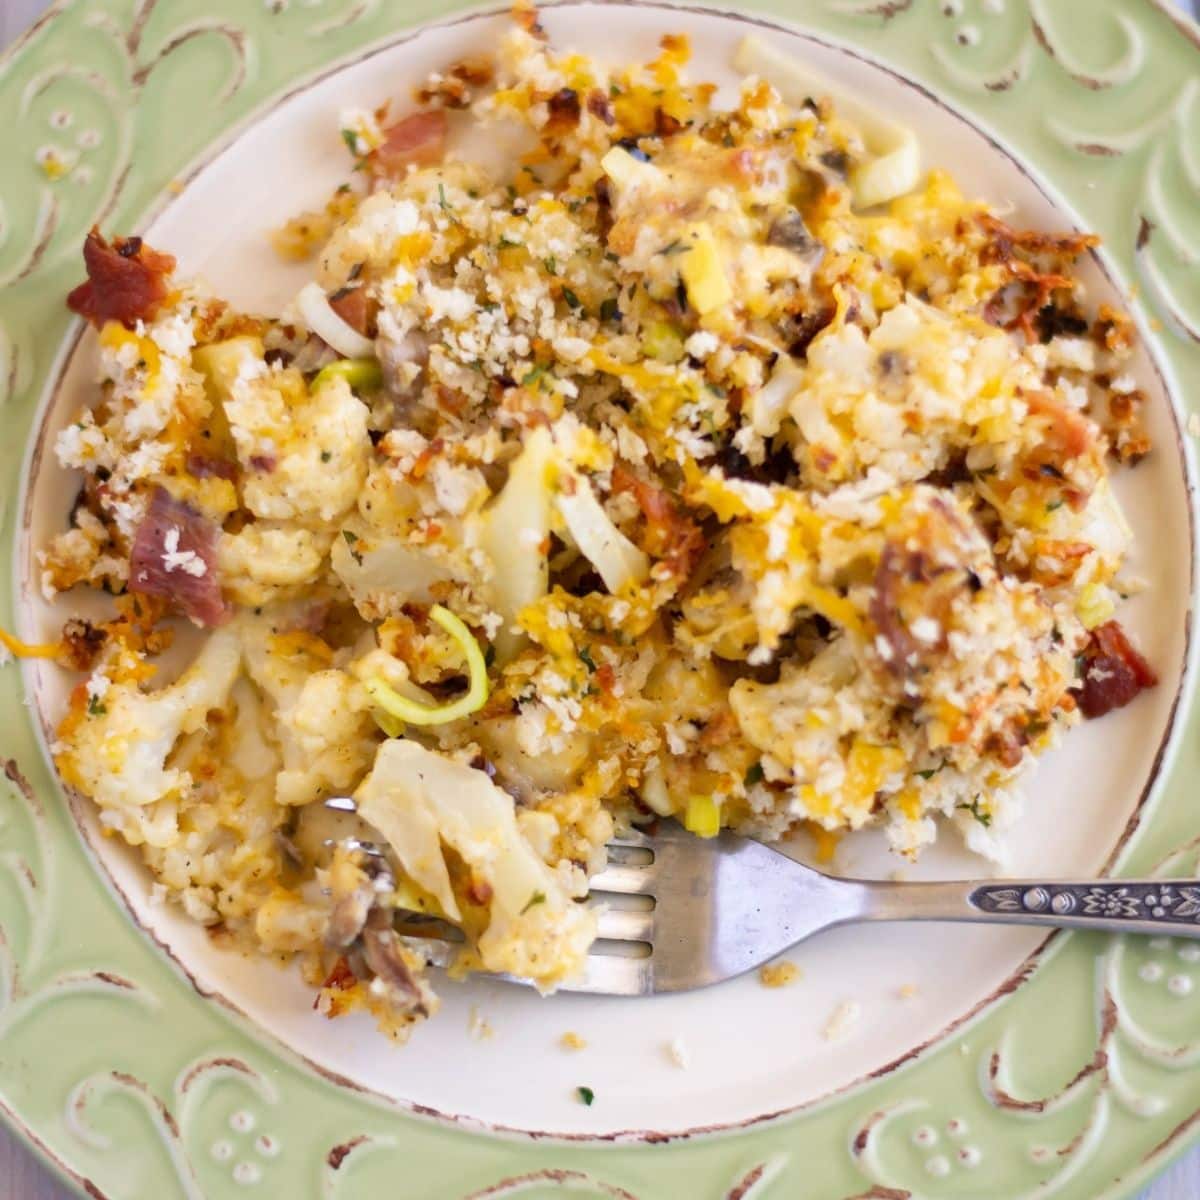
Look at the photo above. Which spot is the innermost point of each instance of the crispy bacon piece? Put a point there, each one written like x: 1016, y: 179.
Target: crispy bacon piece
x: 565, y: 110
x: 329, y: 999
x: 82, y: 643
x: 1035, y: 260
x: 355, y: 307
x: 665, y: 125
x: 600, y: 106
x: 1069, y: 432
x: 418, y: 139
x: 455, y: 87
x: 174, y: 555
x: 903, y: 648
x: 670, y: 536
x: 204, y: 466
x: 127, y: 281
x: 1113, y: 672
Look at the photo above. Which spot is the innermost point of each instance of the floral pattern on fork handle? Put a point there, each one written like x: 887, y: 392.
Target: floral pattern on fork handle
x: 1159, y: 904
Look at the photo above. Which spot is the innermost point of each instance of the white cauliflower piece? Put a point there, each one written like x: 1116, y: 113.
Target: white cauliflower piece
x: 325, y: 732
x: 419, y: 799
x: 305, y: 455
x: 382, y: 572
x: 264, y: 563
x: 119, y: 755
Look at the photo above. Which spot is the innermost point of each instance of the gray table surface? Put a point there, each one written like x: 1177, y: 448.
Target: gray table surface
x: 22, y: 1177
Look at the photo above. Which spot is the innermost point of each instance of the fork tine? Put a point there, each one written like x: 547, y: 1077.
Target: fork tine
x: 605, y: 975
x: 438, y: 952
x: 626, y: 925
x: 613, y: 975
x: 634, y: 838
x: 632, y: 881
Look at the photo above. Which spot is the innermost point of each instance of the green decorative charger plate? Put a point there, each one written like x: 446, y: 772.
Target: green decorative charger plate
x: 1064, y: 1069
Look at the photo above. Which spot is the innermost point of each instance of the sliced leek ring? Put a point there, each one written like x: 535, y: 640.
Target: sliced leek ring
x: 895, y: 166
x: 412, y: 712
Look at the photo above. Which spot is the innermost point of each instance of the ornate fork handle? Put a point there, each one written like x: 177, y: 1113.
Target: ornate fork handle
x: 1162, y: 906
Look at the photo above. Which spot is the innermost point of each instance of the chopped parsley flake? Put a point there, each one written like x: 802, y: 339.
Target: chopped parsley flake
x: 350, y: 537
x: 572, y: 300
x: 585, y: 657
x: 96, y: 707
x: 980, y: 814
x: 586, y: 1095
x: 754, y: 775
x: 351, y: 140
x: 533, y: 901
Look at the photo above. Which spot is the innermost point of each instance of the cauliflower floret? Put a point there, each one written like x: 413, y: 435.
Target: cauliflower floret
x: 419, y: 799
x: 263, y: 563
x: 322, y: 720
x: 383, y: 572
x: 119, y: 754
x: 328, y: 726
x: 305, y: 455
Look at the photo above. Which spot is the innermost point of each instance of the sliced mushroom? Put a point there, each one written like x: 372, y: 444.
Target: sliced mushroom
x: 384, y: 956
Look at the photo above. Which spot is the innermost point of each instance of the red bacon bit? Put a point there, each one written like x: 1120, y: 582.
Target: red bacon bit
x: 82, y: 643
x: 670, y: 536
x: 202, y: 466
x: 564, y: 109
x: 171, y: 523
x: 665, y: 125
x: 1069, y: 433
x: 606, y: 679
x: 599, y: 105
x: 456, y: 87
x: 425, y: 459
x: 340, y: 979
x: 1036, y: 261
x: 355, y: 307
x: 263, y: 463
x: 126, y: 281
x: 1113, y: 672
x: 419, y: 139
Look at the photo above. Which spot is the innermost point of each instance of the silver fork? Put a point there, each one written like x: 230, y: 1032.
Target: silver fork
x: 719, y: 907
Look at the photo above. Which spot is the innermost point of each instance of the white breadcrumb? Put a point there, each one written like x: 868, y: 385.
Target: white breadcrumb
x: 843, y: 1020
x: 678, y: 1053
x: 478, y: 1026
